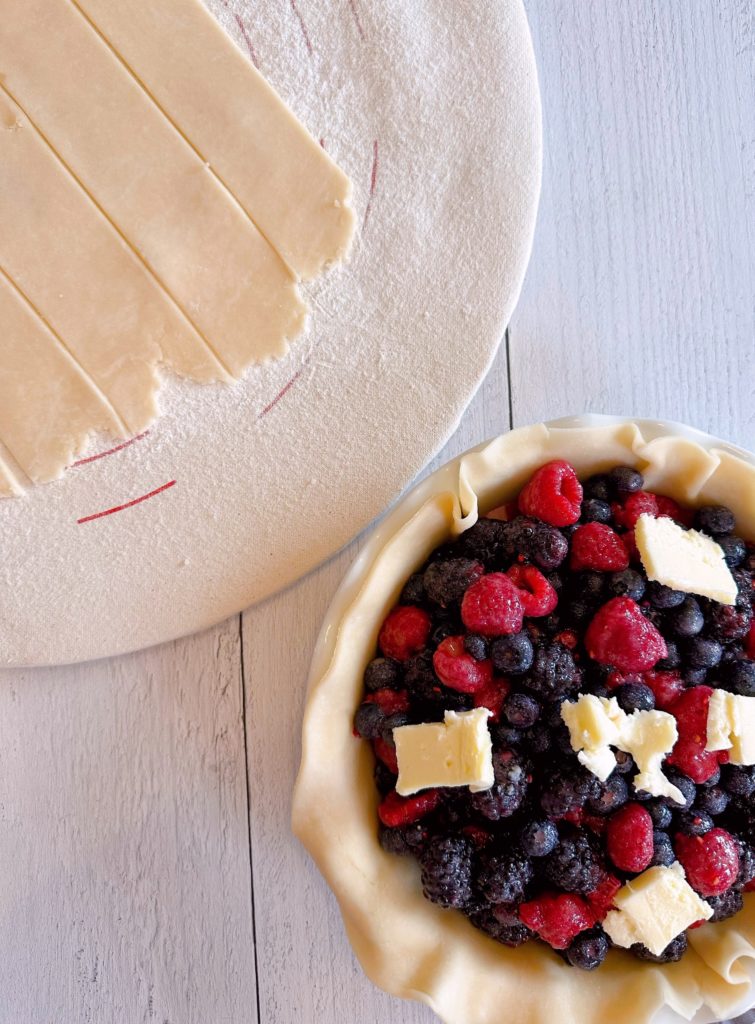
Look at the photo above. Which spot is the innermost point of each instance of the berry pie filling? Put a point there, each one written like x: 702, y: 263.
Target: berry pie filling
x: 562, y: 713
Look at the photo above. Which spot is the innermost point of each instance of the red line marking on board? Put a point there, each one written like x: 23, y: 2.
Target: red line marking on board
x: 110, y: 451
x: 281, y: 393
x: 247, y: 40
x: 303, y: 27
x: 127, y: 504
x: 357, y: 19
x: 373, y: 183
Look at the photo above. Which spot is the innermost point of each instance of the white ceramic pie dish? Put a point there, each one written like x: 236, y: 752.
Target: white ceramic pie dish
x: 407, y: 945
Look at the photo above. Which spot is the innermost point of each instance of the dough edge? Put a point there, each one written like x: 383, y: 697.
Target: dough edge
x: 407, y: 945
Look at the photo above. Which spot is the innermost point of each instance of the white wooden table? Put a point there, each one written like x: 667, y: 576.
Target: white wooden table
x: 147, y: 871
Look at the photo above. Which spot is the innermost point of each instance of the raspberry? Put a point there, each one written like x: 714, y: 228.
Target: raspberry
x: 386, y: 753
x: 620, y: 635
x: 557, y: 917
x: 689, y: 753
x: 596, y: 546
x: 711, y: 862
x: 554, y: 494
x: 666, y: 686
x: 668, y: 507
x: 630, y: 543
x: 491, y: 696
x: 601, y: 898
x: 404, y: 632
x: 537, y: 595
x: 398, y: 810
x: 492, y: 606
x: 629, y: 838
x: 390, y: 702
x: 750, y: 641
x: 458, y: 669
x: 637, y: 504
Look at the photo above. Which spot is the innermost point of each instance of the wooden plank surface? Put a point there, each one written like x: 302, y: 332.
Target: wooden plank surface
x: 141, y: 797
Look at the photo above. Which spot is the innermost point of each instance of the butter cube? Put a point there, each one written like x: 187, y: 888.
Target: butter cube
x: 654, y: 908
x: 684, y: 559
x: 455, y: 752
x: 731, y: 726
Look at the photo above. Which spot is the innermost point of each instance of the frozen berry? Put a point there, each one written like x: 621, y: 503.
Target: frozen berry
x: 739, y: 780
x: 554, y: 672
x: 671, y: 954
x: 629, y: 838
x: 540, y: 543
x: 368, y: 721
x: 477, y: 646
x: 626, y: 479
x: 710, y: 862
x: 557, y: 917
x: 673, y: 658
x: 714, y: 519
x: 614, y: 792
x: 398, y: 810
x: 660, y: 812
x: 689, y: 753
x: 734, y: 550
x: 588, y: 950
x: 702, y: 652
x: 459, y: 670
x: 686, y: 787
x: 635, y: 505
x: 504, y: 877
x: 445, y: 581
x: 694, y: 822
x: 726, y: 905
x: 507, y: 793
x: 492, y: 606
x: 539, y: 838
x: 663, y: 851
x: 553, y: 494
x: 728, y: 622
x: 510, y: 934
x: 746, y: 865
x: 447, y: 871
x: 403, y: 840
x: 635, y: 697
x: 492, y: 696
x: 486, y: 541
x: 575, y: 865
x: 414, y: 590
x: 566, y: 789
x: 521, y: 710
x: 382, y: 673
x: 694, y: 676
x: 620, y: 635
x: 666, y: 687
x: 687, y: 619
x: 385, y: 750
x: 739, y: 677
x: 404, y: 632
x: 595, y: 511
x: 598, y: 486
x: 512, y: 655
x: 626, y: 583
x: 596, y: 546
x: 661, y: 596
x: 537, y: 594
x: 713, y: 800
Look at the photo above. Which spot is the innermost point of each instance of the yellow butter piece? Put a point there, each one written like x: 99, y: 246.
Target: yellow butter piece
x: 455, y: 752
x: 731, y: 726
x: 654, y: 908
x: 684, y: 559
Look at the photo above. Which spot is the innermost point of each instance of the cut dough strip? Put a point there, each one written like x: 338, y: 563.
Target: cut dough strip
x: 285, y: 181
x: 138, y: 169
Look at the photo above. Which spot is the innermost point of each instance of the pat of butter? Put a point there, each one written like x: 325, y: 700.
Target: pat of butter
x: 654, y: 908
x: 455, y: 752
x: 684, y: 559
x: 596, y: 724
x: 731, y: 726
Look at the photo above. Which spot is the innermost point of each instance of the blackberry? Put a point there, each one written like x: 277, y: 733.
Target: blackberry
x: 368, y: 721
x: 414, y: 590
x: 713, y: 801
x: 673, y: 952
x: 445, y: 582
x: 685, y: 786
x: 554, y: 672
x: 627, y: 583
x: 613, y: 793
x: 734, y: 550
x: 625, y: 480
x: 504, y: 877
x: 447, y: 871
x: 673, y: 658
x: 635, y: 697
x: 663, y: 851
x: 506, y: 794
x: 597, y: 486
x: 543, y: 545
x: 514, y: 934
x: 702, y: 652
x: 567, y: 789
x: 739, y: 780
x: 746, y: 864
x: 382, y: 674
x: 486, y: 541
x: 661, y: 596
x: 588, y: 950
x: 660, y: 813
x: 714, y: 519
x: 728, y: 622
x: 477, y: 646
x: 443, y: 627
x: 694, y: 676
x: 539, y: 838
x: 694, y: 822
x: 687, y: 619
x: 404, y: 839
x: 512, y: 654
x: 538, y: 738
x: 726, y: 905
x: 430, y: 698
x: 575, y: 865
x: 739, y: 677
x: 521, y: 710
x: 588, y: 586
x: 595, y: 511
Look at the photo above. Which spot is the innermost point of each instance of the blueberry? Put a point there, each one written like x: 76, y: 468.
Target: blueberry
x: 712, y: 780
x: 685, y: 786
x: 588, y: 586
x: 477, y: 646
x: 627, y: 583
x: 504, y: 738
x: 414, y: 590
x: 381, y: 674
x: 625, y: 479
x: 714, y: 519
x: 368, y: 721
x: 694, y: 822
x: 588, y: 950
x: 660, y: 813
x: 512, y: 654
x: 624, y: 762
x: 694, y: 676
x: 635, y: 697
x: 713, y: 801
x: 521, y: 710
x: 673, y: 658
x: 539, y: 838
x: 595, y: 511
x: 385, y: 780
x: 734, y: 550
x: 687, y: 619
x: 661, y: 596
x: 597, y: 486
x: 702, y: 652
x: 614, y: 792
x: 391, y: 722
x: 739, y: 677
x: 738, y: 779
x: 663, y: 851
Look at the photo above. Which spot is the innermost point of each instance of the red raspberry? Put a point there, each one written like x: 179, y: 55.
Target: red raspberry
x: 596, y: 546
x: 614, y: 679
x: 537, y: 595
x: 689, y: 754
x: 398, y: 810
x: 492, y: 606
x: 557, y: 917
x: 635, y: 505
x: 404, y: 632
x: 630, y: 543
x: 750, y: 641
x: 668, y: 507
x: 750, y: 887
x: 491, y: 696
x: 666, y: 686
x: 594, y: 822
x: 711, y: 862
x: 386, y: 753
x: 458, y: 669
x: 620, y: 635
x: 629, y: 838
x: 390, y: 702
x: 575, y: 816
x: 479, y: 836
x: 601, y: 899
x: 554, y: 494
x: 568, y: 638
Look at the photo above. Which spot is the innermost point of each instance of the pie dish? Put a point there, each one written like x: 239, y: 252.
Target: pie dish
x: 407, y: 945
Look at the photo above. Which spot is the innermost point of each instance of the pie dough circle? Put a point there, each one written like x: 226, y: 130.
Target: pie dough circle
x: 406, y: 944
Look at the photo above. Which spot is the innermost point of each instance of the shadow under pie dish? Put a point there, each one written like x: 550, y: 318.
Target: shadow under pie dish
x: 407, y: 944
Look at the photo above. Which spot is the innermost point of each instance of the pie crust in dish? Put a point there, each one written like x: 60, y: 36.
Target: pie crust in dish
x: 407, y: 945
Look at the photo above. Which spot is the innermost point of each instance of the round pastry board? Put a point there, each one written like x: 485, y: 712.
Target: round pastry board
x: 433, y: 110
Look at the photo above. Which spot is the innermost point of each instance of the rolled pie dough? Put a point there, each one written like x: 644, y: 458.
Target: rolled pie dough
x: 158, y: 202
